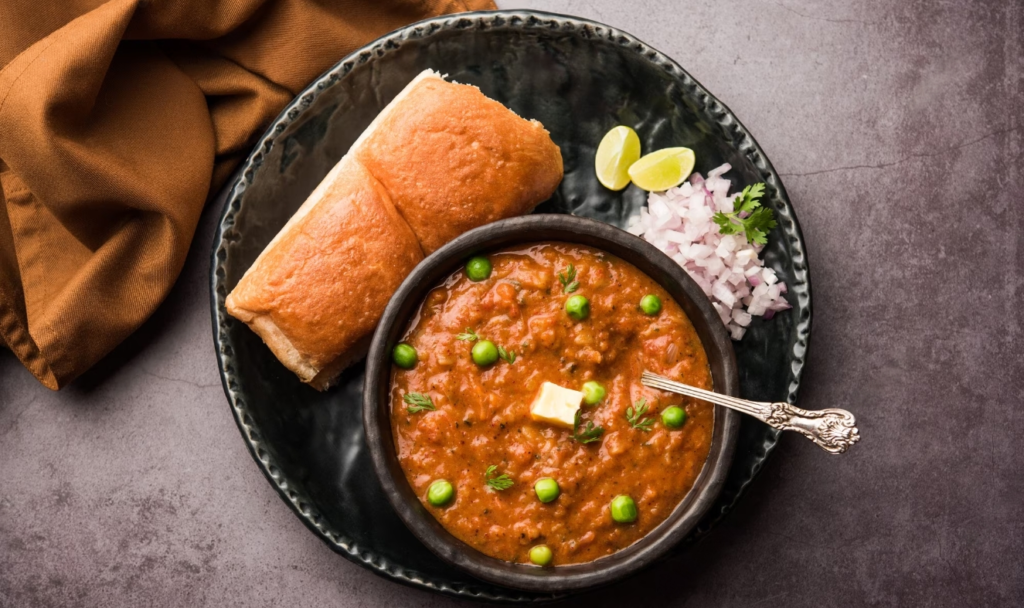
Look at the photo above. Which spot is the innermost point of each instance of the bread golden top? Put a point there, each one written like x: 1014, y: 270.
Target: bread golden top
x: 326, y: 282
x: 453, y: 159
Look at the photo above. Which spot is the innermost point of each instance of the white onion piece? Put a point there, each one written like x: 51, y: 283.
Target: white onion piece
x: 726, y: 267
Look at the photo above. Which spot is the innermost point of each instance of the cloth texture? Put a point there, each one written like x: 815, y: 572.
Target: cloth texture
x: 118, y: 120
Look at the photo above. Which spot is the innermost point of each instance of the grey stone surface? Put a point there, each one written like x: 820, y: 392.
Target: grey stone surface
x: 896, y: 126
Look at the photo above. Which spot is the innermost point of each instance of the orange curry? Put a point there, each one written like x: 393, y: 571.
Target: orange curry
x: 473, y: 423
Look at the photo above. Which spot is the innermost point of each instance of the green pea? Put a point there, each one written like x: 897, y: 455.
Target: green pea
x: 593, y: 393
x: 673, y: 417
x: 484, y: 353
x: 650, y: 304
x: 440, y: 493
x: 478, y: 268
x: 541, y: 555
x: 547, y: 489
x: 578, y: 307
x: 623, y: 509
x: 404, y: 356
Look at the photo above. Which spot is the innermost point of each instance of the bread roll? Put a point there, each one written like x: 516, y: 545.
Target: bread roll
x: 316, y: 293
x: 440, y: 159
x: 453, y: 159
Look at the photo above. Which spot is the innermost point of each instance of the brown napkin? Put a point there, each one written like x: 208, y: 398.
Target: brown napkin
x: 117, y: 121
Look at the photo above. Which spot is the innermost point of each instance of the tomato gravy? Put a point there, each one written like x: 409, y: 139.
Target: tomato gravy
x: 481, y: 414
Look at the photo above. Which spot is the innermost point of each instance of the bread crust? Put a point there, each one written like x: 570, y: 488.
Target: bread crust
x: 321, y: 289
x: 453, y: 159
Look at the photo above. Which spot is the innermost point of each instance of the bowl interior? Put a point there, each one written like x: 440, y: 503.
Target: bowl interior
x: 376, y: 407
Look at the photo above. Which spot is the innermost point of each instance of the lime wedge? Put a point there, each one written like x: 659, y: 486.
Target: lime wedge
x: 664, y: 169
x: 619, y: 149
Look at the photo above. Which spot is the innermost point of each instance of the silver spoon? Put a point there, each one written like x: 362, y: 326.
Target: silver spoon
x: 834, y: 430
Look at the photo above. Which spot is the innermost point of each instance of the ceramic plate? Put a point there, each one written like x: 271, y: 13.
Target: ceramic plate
x: 579, y: 78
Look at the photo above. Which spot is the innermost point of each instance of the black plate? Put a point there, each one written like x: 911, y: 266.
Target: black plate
x: 579, y: 78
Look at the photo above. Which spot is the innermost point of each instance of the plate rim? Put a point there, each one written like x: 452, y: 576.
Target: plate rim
x: 483, y: 21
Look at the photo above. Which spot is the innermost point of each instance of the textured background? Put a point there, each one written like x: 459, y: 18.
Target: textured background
x: 897, y: 128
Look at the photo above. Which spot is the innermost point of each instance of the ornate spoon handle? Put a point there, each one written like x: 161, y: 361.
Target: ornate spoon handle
x: 834, y: 430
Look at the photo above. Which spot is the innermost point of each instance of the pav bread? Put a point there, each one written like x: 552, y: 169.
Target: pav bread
x: 317, y: 292
x: 453, y: 159
x: 439, y: 160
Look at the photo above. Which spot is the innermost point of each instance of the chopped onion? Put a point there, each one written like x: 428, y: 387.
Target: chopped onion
x: 726, y: 267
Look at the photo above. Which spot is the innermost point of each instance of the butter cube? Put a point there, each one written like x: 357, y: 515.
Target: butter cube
x: 556, y: 405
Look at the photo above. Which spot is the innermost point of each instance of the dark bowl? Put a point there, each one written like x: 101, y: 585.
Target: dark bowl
x: 376, y: 410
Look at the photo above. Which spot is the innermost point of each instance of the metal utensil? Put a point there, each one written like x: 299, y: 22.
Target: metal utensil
x: 833, y: 430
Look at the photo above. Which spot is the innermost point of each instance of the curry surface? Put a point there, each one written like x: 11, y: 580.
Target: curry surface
x: 482, y: 415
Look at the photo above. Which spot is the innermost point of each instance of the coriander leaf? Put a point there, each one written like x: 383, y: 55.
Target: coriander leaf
x: 418, y: 402
x: 749, y: 218
x: 759, y: 224
x: 568, y: 280
x: 635, y: 416
x: 589, y: 434
x: 726, y: 224
x: 507, y: 356
x: 498, y: 482
x: 468, y: 336
x: 748, y: 198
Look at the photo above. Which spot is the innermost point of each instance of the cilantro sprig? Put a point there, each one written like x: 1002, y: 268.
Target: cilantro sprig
x: 507, y: 356
x: 498, y: 482
x: 568, y: 280
x: 468, y: 336
x: 418, y: 402
x: 635, y: 416
x: 588, y: 434
x: 749, y: 218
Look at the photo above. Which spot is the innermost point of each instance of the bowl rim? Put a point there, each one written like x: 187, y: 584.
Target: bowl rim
x: 376, y: 411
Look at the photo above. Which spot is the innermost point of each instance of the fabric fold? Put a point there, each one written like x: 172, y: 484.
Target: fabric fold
x: 117, y: 122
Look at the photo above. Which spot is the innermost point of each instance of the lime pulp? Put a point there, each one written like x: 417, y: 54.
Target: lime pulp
x: 618, y: 150
x: 663, y: 169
